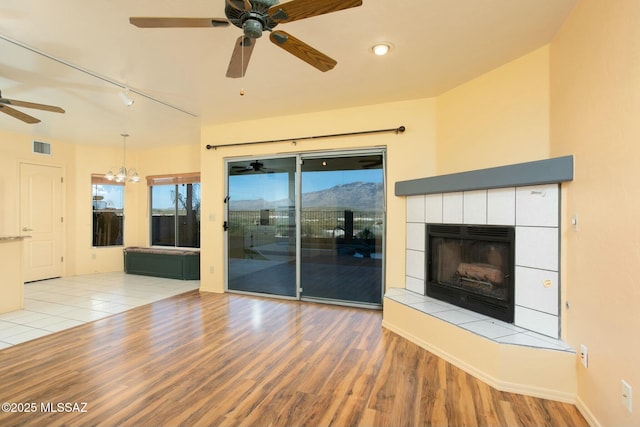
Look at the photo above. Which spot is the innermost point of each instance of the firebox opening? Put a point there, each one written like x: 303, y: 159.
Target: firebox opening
x: 472, y: 267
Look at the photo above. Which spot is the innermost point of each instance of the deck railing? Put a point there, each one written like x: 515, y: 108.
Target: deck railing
x: 317, y: 224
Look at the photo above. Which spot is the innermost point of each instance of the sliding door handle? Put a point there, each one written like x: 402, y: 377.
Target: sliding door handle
x: 225, y: 226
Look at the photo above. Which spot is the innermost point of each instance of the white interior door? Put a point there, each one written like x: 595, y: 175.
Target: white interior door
x: 41, y: 218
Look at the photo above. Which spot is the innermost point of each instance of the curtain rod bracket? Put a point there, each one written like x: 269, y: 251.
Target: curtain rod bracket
x: 294, y: 141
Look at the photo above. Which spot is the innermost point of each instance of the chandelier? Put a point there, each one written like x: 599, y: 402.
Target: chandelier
x: 123, y: 174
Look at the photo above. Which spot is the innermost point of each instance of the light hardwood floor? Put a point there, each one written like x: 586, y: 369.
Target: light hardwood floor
x: 232, y: 360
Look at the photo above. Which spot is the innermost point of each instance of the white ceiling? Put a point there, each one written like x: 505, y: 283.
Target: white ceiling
x: 437, y: 45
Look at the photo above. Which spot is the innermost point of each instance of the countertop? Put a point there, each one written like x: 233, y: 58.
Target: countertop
x: 4, y: 238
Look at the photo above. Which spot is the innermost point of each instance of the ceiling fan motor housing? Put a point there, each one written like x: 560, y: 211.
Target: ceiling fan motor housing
x: 252, y: 27
x: 253, y: 22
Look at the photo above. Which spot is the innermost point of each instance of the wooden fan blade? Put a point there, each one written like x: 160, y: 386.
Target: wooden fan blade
x: 302, y: 50
x: 150, y: 22
x: 18, y: 114
x: 300, y: 9
x: 44, y: 107
x: 246, y: 3
x: 240, y: 57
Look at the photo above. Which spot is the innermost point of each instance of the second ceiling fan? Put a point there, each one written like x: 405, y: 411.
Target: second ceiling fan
x: 254, y: 17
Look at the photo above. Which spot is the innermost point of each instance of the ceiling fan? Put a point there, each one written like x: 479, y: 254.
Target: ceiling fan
x: 371, y: 163
x: 251, y: 167
x: 256, y: 16
x: 5, y: 108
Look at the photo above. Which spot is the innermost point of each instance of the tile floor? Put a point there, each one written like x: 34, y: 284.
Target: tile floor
x: 56, y: 304
x: 479, y: 324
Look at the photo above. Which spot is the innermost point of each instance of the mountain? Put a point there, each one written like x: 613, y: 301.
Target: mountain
x: 361, y: 196
x: 356, y: 195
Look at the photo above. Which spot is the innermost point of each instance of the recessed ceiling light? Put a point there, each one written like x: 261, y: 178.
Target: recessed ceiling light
x: 381, y: 49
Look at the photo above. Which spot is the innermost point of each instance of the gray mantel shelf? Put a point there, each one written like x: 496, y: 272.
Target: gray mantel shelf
x: 559, y: 169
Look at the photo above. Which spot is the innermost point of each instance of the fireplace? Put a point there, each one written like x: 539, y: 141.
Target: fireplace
x: 472, y: 267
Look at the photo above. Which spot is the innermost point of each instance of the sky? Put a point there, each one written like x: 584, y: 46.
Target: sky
x: 270, y: 187
x: 274, y: 186
x: 163, y: 196
x: 112, y: 196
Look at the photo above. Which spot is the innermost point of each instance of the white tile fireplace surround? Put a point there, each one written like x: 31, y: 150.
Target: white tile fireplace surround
x: 525, y: 196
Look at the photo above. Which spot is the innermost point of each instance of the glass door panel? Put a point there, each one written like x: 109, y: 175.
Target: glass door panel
x: 342, y: 226
x: 261, y: 235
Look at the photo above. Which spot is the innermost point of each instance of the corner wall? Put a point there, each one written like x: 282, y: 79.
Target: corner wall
x: 499, y: 118
x: 595, y: 111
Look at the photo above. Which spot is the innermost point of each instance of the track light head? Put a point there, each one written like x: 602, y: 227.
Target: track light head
x: 126, y: 99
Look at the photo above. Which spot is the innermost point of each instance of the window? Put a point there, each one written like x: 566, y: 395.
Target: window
x: 175, y: 210
x: 108, y: 214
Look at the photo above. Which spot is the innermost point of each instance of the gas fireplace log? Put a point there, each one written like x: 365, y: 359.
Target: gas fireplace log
x: 482, y: 272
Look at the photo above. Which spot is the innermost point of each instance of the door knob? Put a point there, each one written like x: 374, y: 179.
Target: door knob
x: 27, y: 229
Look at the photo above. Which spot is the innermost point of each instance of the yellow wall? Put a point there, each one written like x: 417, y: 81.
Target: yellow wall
x: 577, y: 96
x: 16, y: 148
x: 153, y: 161
x: 595, y: 115
x: 87, y: 259
x: 78, y: 163
x: 496, y: 119
x: 409, y: 155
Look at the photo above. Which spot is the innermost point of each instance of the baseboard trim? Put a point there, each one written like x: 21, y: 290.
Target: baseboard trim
x: 587, y: 414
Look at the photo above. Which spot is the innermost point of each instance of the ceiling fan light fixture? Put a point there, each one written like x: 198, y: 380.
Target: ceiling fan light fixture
x: 126, y: 99
x: 381, y: 49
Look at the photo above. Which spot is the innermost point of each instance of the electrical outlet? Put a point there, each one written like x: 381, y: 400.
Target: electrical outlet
x: 584, y: 355
x: 626, y: 395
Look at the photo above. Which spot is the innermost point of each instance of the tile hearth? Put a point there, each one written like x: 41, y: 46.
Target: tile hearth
x: 484, y: 326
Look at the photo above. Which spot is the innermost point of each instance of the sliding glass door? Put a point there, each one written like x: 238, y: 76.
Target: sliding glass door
x: 334, y: 250
x: 342, y: 226
x: 261, y: 233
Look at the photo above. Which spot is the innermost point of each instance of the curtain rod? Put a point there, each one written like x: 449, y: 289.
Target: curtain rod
x: 294, y: 140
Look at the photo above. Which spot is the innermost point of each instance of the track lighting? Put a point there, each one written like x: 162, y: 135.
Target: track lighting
x: 126, y: 99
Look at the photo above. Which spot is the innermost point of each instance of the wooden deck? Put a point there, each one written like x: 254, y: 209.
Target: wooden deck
x: 233, y: 360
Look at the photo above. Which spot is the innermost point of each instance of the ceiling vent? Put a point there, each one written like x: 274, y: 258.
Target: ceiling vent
x: 42, y: 148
